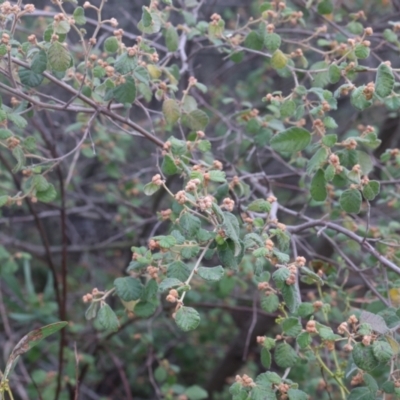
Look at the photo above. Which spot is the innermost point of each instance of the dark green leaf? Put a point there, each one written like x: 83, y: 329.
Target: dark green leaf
x: 187, y: 318
x: 384, y: 82
x: 285, y: 356
x: 318, y: 186
x: 350, y: 201
x: 107, y: 318
x: 128, y: 288
x: 291, y: 140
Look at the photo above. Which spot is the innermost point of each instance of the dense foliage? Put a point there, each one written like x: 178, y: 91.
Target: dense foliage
x: 202, y: 198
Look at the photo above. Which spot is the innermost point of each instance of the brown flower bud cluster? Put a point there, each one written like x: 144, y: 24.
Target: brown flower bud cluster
x: 319, y: 126
x: 88, y: 297
x: 311, y: 327
x: 12, y: 142
x: 6, y: 8
x: 228, y: 204
x: 357, y: 379
x: 334, y: 160
x: 215, y: 18
x: 153, y: 244
x: 166, y: 214
x: 205, y: 202
x: 156, y: 179
x: 152, y: 271
x: 245, y: 380
x: 180, y: 197
x: 172, y: 296
x: 369, y: 90
x: 192, y: 185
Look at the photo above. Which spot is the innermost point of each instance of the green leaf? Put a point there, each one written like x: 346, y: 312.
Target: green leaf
x: 59, y: 58
x: 92, y: 310
x: 151, y: 188
x: 29, y: 78
x: 171, y: 111
x: 254, y: 41
x: 318, y: 186
x: 288, y: 108
x: 305, y: 309
x: 145, y: 309
x: 278, y: 59
x: 291, y: 140
x: 359, y: 100
x: 39, y: 182
x: 3, y: 200
x: 196, y: 393
x: 361, y: 393
x: 187, y: 318
x: 5, y: 133
x: 17, y: 119
x: 291, y: 326
x: 390, y: 36
x: 329, y: 140
x: 61, y: 27
x: 272, y: 41
x: 388, y: 387
x: 215, y: 30
x: 204, y: 145
x: 178, y: 270
x: 371, y: 190
x: 189, y: 225
x: 19, y: 155
x: 125, y: 64
x: 231, y: 229
x: 304, y: 340
x: 39, y: 62
x: 196, y: 120
x: 325, y: 7
x: 270, y: 303
x: 79, y: 16
x: 260, y: 205
x: 280, y: 276
x: 171, y: 39
x: 334, y: 73
x: 296, y: 394
x: 217, y: 176
x: 326, y: 332
x: 329, y: 123
x: 111, y: 44
x: 107, y: 318
x: 291, y: 297
x: 125, y: 93
x: 361, y: 51
x: 168, y: 165
x: 47, y: 195
x: 153, y: 21
x: 364, y: 357
x: 384, y: 82
x: 128, y: 288
x: 178, y: 147
x: 285, y: 356
x: 266, y: 358
x: 317, y: 160
x: 211, y: 274
x: 166, y: 242
x: 350, y: 201
x: 169, y: 283
x: 382, y: 351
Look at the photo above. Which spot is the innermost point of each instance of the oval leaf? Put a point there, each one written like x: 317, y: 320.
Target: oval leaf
x: 291, y: 140
x: 187, y: 318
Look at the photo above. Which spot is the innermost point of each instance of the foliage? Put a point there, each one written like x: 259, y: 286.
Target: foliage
x: 248, y: 162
